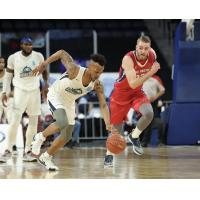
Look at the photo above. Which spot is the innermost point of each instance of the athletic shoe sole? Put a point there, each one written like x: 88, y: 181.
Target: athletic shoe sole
x: 31, y: 160
x: 43, y: 164
x: 108, y: 165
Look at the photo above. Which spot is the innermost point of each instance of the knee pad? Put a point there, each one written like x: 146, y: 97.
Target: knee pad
x: 66, y: 133
x: 149, y: 115
x: 60, y: 117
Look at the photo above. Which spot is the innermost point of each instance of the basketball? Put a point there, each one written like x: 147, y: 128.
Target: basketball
x: 116, y: 143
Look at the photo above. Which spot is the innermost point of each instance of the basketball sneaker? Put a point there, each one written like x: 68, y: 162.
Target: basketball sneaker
x: 2, y: 160
x: 28, y: 157
x: 7, y: 153
x: 37, y: 143
x: 108, y: 161
x: 46, y: 161
x: 137, y: 148
x: 14, y: 150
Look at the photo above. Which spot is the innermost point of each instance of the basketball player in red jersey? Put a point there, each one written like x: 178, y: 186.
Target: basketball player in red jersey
x: 137, y: 66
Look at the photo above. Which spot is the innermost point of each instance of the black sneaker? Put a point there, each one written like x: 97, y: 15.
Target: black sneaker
x: 137, y: 148
x: 2, y: 160
x: 14, y: 150
x: 108, y: 161
x: 7, y: 153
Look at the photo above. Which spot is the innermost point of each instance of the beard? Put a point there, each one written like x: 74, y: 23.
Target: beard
x: 25, y: 53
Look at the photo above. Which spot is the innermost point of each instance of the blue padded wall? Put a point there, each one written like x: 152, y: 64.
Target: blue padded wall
x: 187, y: 73
x: 184, y: 116
x: 184, y: 124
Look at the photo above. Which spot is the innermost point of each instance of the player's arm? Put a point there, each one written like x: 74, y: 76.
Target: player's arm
x: 161, y: 91
x: 134, y: 82
x: 102, y: 102
x: 7, y: 80
x: 65, y: 58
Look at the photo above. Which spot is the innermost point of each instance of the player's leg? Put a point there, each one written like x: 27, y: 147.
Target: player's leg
x: 146, y: 111
x: 61, y: 121
x: 46, y: 158
x: 33, y: 110
x: 108, y: 160
x: 1, y: 111
x: 19, y: 105
x: 30, y: 132
x: 12, y: 132
x: 118, y: 114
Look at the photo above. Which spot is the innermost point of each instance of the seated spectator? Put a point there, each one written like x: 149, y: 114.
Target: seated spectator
x: 154, y: 89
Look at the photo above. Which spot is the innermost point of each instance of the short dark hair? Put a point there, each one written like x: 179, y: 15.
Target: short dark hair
x: 144, y: 38
x: 99, y: 58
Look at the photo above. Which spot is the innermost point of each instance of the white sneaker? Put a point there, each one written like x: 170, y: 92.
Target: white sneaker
x: 37, y: 143
x: 46, y: 161
x: 29, y: 158
x: 2, y: 160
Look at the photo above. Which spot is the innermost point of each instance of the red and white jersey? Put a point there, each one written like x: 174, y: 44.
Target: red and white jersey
x: 123, y: 93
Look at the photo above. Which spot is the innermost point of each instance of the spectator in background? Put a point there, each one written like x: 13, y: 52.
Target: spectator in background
x: 154, y: 89
x: 75, y: 135
x: 189, y: 28
x: 2, y: 73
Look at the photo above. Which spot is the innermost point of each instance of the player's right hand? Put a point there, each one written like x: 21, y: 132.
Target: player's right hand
x: 4, y: 99
x: 155, y: 67
x: 39, y: 69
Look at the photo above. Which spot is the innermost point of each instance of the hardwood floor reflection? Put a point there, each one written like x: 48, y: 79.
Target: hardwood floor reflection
x: 164, y: 162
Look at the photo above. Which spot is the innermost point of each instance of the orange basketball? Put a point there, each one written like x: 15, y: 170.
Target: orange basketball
x: 116, y: 143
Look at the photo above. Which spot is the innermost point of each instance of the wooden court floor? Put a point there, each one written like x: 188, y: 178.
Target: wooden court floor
x: 87, y: 163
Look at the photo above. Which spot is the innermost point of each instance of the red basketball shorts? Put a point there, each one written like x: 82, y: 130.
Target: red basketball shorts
x: 118, y: 112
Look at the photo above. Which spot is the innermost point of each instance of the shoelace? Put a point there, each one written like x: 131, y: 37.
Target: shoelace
x: 49, y: 161
x: 109, y: 158
x: 137, y: 143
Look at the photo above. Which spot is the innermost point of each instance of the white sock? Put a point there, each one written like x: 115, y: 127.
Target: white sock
x: 136, y: 133
x: 42, y: 136
x: 46, y: 154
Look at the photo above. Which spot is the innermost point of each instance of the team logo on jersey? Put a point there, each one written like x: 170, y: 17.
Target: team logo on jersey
x: 74, y: 91
x: 26, y: 72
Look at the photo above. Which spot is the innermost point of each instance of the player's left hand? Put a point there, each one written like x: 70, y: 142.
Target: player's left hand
x: 108, y: 127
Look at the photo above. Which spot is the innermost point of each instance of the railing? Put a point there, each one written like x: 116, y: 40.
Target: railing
x: 92, y: 123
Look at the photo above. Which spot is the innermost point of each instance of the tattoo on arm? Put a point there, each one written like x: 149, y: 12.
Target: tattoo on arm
x: 66, y: 59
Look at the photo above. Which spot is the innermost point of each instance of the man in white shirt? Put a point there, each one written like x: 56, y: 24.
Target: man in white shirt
x: 2, y: 73
x: 26, y: 93
x: 73, y: 84
x: 154, y: 89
